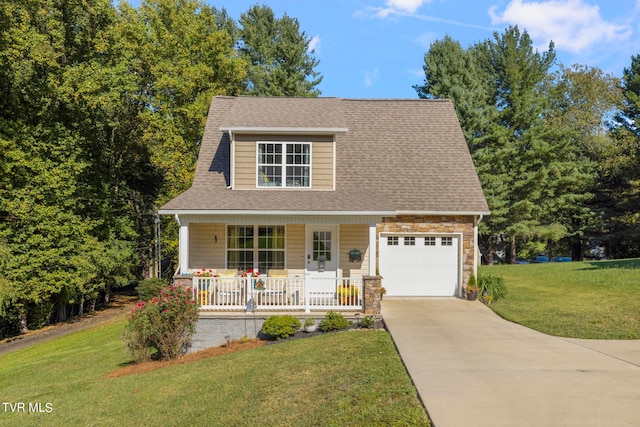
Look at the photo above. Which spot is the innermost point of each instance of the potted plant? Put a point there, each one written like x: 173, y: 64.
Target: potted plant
x: 348, y: 294
x: 472, y: 288
x: 310, y: 324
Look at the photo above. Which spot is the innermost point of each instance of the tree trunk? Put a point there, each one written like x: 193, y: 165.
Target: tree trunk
x: 549, y: 250
x: 107, y: 294
x: 577, y: 249
x: 22, y: 320
x: 512, y: 249
x: 490, y: 252
x: 62, y: 313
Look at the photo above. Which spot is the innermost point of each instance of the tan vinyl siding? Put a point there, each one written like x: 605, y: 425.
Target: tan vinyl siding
x: 245, y: 169
x: 354, y: 236
x: 295, y: 249
x: 322, y: 161
x: 322, y: 166
x: 204, y: 252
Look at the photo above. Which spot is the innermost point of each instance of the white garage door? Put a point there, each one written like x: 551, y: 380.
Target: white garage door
x: 419, y: 265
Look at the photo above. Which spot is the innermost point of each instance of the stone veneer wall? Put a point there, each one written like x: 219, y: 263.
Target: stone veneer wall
x: 184, y: 281
x: 372, y: 296
x: 436, y: 224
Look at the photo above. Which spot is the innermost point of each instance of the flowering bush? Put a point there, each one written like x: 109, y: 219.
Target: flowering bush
x: 164, y: 323
x: 149, y: 288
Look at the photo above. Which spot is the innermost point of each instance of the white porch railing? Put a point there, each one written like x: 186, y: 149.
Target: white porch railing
x: 281, y: 294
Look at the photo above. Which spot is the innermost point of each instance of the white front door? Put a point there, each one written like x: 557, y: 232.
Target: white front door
x: 322, y: 251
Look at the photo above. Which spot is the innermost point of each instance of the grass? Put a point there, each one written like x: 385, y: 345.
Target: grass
x: 596, y: 300
x: 338, y: 379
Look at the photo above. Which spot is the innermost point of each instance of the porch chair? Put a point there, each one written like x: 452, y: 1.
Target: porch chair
x: 276, y: 289
x: 228, y: 291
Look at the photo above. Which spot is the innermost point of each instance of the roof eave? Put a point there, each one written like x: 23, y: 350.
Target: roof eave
x: 283, y: 130
x: 431, y: 213
x: 314, y: 213
x: 270, y: 212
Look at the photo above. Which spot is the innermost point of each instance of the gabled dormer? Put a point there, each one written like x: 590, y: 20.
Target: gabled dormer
x: 292, y: 149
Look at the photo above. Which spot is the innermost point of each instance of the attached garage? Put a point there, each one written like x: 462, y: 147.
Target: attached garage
x: 420, y: 264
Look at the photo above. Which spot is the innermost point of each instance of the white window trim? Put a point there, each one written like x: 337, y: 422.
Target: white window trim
x: 284, y: 165
x: 256, y: 249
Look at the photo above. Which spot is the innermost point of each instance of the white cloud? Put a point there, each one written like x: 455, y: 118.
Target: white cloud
x: 398, y: 7
x: 573, y: 25
x: 314, y: 44
x: 370, y: 77
x: 409, y: 6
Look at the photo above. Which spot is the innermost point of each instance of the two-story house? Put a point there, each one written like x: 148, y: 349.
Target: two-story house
x: 317, y: 193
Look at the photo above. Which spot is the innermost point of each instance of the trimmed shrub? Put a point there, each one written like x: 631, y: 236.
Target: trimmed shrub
x: 149, y: 288
x: 164, y: 323
x: 367, y: 322
x: 9, y: 320
x: 280, y: 327
x: 334, y: 321
x: 492, y: 288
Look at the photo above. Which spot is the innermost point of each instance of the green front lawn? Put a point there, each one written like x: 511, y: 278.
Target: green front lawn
x: 597, y: 300
x: 346, y: 378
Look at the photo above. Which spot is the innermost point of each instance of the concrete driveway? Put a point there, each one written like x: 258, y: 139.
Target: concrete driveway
x: 472, y: 368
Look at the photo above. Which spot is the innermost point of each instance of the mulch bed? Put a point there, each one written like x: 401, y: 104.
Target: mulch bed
x: 152, y: 365
x: 232, y: 347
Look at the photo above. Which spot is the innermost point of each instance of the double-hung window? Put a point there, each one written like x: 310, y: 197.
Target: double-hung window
x: 245, y: 251
x: 284, y: 164
x: 240, y: 243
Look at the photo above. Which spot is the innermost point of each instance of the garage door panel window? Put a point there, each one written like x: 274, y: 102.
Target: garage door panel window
x: 409, y: 241
x: 446, y: 241
x: 429, y: 241
x: 392, y: 241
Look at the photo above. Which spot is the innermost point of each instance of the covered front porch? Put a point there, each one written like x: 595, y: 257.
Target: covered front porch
x: 278, y: 294
x: 279, y: 262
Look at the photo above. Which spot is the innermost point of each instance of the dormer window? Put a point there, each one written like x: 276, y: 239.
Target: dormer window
x: 284, y: 164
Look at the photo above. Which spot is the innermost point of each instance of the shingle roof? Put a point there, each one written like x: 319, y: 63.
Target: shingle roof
x: 253, y: 111
x: 398, y: 155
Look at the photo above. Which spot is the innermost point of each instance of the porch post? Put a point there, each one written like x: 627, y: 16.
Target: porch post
x: 373, y: 251
x: 476, y: 249
x: 372, y: 294
x: 183, y: 246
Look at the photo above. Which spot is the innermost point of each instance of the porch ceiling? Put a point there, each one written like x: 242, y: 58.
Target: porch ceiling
x: 280, y: 219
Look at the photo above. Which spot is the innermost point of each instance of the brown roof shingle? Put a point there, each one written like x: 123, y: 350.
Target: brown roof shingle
x: 397, y: 156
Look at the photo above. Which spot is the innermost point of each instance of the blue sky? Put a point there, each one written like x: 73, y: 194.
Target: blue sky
x: 375, y: 48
